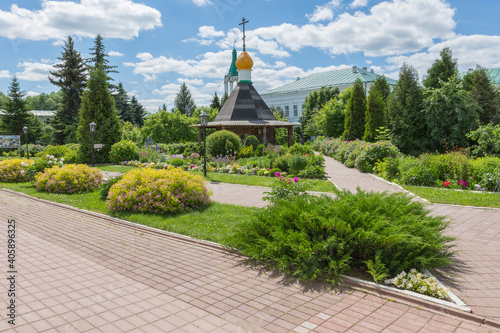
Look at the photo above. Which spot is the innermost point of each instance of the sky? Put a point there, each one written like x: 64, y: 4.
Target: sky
x: 160, y: 44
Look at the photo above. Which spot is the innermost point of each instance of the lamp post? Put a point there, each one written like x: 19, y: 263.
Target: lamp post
x: 25, y: 131
x: 302, y: 120
x: 92, y: 130
x: 204, y: 122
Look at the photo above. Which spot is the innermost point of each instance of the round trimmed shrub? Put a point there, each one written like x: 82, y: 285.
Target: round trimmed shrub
x: 158, y: 191
x: 251, y: 140
x: 260, y: 151
x: 123, y: 151
x: 222, y: 143
x: 14, y: 170
x: 69, y: 179
x: 298, y: 163
x: 298, y: 149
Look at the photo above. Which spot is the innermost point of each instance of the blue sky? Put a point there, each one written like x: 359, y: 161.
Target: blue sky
x: 159, y: 44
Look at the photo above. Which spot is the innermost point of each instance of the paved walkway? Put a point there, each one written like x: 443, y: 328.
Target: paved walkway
x: 84, y: 272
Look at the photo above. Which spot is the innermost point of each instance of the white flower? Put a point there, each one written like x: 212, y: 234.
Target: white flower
x: 47, y: 156
x: 61, y: 162
x: 22, y: 172
x: 50, y: 162
x: 62, y: 159
x: 23, y: 164
x: 52, y: 156
x: 55, y: 159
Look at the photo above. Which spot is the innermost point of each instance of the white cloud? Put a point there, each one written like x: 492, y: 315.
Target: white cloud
x: 115, y: 54
x: 359, y: 3
x: 390, y: 28
x: 197, y: 82
x: 86, y: 18
x: 4, y: 74
x: 323, y: 13
x: 202, y: 2
x: 144, y: 56
x: 206, y: 31
x: 34, y: 71
x: 32, y: 93
x: 468, y: 50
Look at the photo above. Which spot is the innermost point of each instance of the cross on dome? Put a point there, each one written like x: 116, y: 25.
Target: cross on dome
x: 243, y: 24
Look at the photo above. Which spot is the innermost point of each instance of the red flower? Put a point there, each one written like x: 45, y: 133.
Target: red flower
x: 446, y: 184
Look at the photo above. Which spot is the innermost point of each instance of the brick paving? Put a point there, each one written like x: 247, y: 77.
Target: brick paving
x: 476, y: 277
x: 84, y: 272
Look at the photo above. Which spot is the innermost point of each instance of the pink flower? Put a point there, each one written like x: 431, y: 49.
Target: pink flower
x: 277, y: 174
x: 296, y: 179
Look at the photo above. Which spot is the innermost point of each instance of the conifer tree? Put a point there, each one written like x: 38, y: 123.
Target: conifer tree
x: 99, y: 56
x: 223, y: 99
x: 215, y: 103
x: 442, y: 69
x: 70, y: 76
x: 355, y: 113
x: 405, y: 117
x: 483, y: 91
x: 383, y: 88
x: 122, y: 105
x: 98, y: 106
x: 184, y: 102
x: 16, y: 115
x: 138, y: 111
x: 375, y: 110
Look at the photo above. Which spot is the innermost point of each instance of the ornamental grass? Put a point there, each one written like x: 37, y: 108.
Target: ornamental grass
x: 158, y: 191
x: 69, y: 179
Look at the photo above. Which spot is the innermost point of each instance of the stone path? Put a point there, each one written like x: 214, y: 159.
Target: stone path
x: 84, y: 272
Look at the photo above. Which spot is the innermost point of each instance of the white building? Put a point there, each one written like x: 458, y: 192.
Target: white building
x: 290, y: 97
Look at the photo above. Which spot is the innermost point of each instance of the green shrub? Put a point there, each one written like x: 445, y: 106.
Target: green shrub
x: 246, y: 152
x: 298, y: 149
x: 284, y: 188
x: 416, y: 172
x: 14, y: 170
x: 123, y: 151
x: 222, y: 143
x: 106, y: 186
x: 319, y: 237
x: 42, y: 163
x: 282, y: 163
x: 158, y: 191
x: 33, y: 150
x: 388, y: 168
x: 297, y: 163
x: 69, y: 179
x: 451, y: 166
x: 260, y: 151
x: 273, y: 171
x: 251, y: 140
x: 487, y: 138
x: 371, y: 153
x: 486, y: 172
x: 176, y: 162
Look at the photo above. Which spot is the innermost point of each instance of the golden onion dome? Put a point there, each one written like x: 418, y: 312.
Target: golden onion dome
x: 244, y: 61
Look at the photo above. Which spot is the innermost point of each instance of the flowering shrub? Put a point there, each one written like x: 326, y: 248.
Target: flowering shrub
x: 421, y: 283
x: 42, y: 163
x: 371, y: 153
x: 446, y: 184
x: 68, y: 152
x: 158, y: 191
x: 14, y: 170
x: 33, y: 150
x: 285, y: 188
x: 69, y: 179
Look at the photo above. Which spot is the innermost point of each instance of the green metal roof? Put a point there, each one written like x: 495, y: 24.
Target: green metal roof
x: 233, y: 71
x: 494, y: 74
x: 339, y: 77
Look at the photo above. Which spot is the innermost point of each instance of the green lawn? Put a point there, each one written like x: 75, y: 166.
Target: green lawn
x: 214, y: 223
x: 458, y: 197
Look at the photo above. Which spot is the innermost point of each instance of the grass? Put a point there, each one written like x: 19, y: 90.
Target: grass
x: 459, y: 197
x: 215, y: 222
x: 115, y: 168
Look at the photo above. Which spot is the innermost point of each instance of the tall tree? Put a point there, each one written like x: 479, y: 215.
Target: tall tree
x: 382, y: 86
x: 375, y: 110
x: 442, y: 69
x: 169, y: 127
x: 355, y: 113
x: 122, y: 105
x: 405, y: 117
x: 98, y: 106
x: 484, y: 92
x: 329, y: 120
x: 99, y: 56
x: 215, y: 103
x: 184, y: 102
x: 316, y: 99
x: 138, y: 111
x: 223, y: 99
x: 16, y: 115
x: 450, y: 114
x: 70, y: 76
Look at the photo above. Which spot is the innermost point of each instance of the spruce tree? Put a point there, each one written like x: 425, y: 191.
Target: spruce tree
x: 355, y: 113
x: 122, y: 105
x: 442, y: 69
x: 138, y: 111
x: 215, y: 103
x: 405, y: 117
x: 98, y: 106
x: 375, y: 110
x: 16, y: 115
x: 184, y: 102
x: 223, y: 99
x: 70, y: 76
x: 485, y: 94
x: 383, y: 88
x: 99, y: 56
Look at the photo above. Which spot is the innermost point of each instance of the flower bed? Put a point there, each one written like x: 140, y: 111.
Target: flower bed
x: 69, y: 179
x: 14, y: 170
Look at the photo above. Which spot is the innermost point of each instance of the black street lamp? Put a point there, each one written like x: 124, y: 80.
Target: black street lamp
x: 25, y: 131
x: 302, y: 120
x: 204, y: 122
x: 92, y: 130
